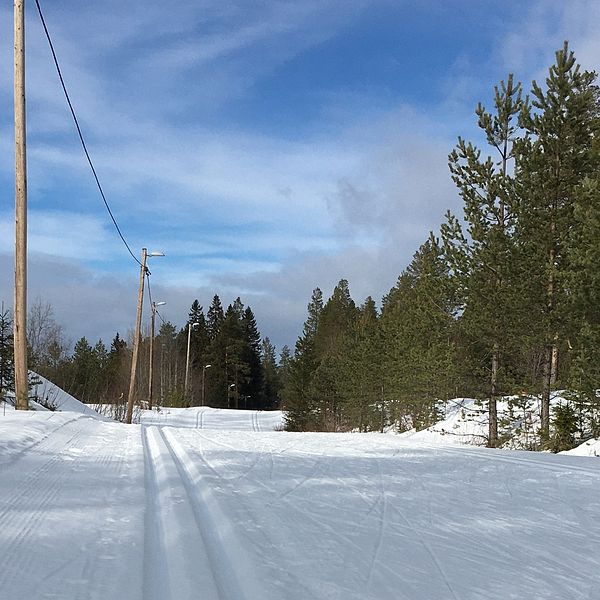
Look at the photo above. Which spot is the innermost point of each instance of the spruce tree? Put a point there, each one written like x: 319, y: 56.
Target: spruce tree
x: 7, y: 365
x: 361, y: 370
x: 297, y: 393
x: 253, y: 389
x: 418, y: 338
x: 270, y: 371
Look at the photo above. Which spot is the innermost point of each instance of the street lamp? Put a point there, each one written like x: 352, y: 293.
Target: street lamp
x: 150, y: 369
x: 230, y: 387
x: 138, y: 329
x: 187, y: 361
x: 203, y: 371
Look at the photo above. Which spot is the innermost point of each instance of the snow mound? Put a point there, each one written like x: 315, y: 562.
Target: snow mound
x: 465, y: 422
x: 589, y: 448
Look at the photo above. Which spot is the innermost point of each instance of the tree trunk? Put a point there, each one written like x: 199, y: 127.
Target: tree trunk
x: 554, y: 365
x: 493, y: 408
x: 546, y: 386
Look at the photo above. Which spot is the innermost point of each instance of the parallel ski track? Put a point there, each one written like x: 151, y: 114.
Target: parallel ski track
x: 346, y: 541
x: 229, y: 579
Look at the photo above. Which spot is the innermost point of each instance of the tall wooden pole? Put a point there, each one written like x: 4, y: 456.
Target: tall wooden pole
x: 151, y: 365
x: 20, y: 307
x: 136, y: 339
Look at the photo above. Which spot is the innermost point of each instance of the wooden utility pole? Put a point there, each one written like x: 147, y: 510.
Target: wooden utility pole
x: 136, y: 339
x: 151, y: 365
x: 20, y: 307
x: 187, y: 363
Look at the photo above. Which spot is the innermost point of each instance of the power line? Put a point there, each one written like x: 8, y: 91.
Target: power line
x: 83, y: 144
x: 150, y: 297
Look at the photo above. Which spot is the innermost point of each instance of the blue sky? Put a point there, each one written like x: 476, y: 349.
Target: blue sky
x: 266, y: 147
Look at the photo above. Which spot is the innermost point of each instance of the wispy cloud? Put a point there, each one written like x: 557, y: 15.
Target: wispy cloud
x: 171, y: 102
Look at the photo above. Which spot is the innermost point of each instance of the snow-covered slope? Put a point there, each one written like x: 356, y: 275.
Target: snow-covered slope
x: 49, y: 394
x: 466, y: 422
x: 105, y: 511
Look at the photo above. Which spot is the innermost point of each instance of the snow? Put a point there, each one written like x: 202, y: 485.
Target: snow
x: 61, y: 400
x: 589, y: 448
x: 215, y: 504
x: 50, y: 394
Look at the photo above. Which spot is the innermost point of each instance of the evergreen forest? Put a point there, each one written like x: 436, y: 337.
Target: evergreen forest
x: 503, y: 301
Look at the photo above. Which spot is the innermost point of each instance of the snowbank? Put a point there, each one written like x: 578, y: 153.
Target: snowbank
x: 49, y: 394
x: 589, y: 448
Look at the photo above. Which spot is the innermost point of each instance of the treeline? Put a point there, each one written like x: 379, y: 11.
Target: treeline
x: 505, y: 301
x: 229, y: 366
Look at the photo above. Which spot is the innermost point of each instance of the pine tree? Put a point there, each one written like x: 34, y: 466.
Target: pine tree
x: 584, y: 298
x: 484, y: 262
x: 233, y: 343
x: 171, y: 357
x: 552, y: 162
x: 215, y: 377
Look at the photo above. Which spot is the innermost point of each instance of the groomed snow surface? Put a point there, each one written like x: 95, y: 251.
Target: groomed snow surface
x: 207, y: 504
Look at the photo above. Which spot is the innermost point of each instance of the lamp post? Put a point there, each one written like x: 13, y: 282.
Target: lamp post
x: 203, y: 371
x: 187, y: 361
x: 138, y: 329
x: 151, y: 365
x: 229, y: 388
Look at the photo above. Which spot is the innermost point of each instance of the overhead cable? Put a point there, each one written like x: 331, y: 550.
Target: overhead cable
x: 83, y: 144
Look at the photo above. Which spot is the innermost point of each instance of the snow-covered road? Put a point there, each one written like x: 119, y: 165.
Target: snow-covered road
x: 212, y: 504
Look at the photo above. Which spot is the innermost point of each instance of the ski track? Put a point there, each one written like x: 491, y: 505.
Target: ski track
x: 321, y: 525
x: 231, y: 569
x: 559, y: 467
x: 360, y: 510
x: 38, y: 444
x: 37, y: 495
